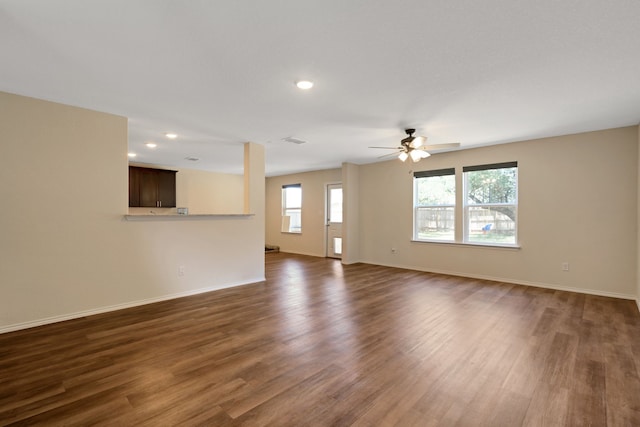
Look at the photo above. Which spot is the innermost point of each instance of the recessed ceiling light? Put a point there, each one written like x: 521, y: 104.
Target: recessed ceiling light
x: 171, y: 135
x: 132, y: 154
x: 304, y: 84
x: 151, y: 144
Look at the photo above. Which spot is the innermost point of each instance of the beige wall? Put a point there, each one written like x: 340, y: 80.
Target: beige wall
x: 577, y: 203
x: 203, y: 192
x: 209, y: 192
x: 66, y: 249
x: 312, y: 239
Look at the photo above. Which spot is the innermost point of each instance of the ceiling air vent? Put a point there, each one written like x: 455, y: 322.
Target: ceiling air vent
x: 294, y: 140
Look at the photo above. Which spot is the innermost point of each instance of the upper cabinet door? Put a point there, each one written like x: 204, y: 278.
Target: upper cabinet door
x: 134, y: 186
x: 152, y: 188
x: 167, y: 188
x: 148, y: 188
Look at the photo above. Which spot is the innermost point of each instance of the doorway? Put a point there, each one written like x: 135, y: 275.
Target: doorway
x: 334, y: 221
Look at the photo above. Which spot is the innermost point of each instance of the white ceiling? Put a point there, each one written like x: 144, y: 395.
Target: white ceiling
x: 220, y: 73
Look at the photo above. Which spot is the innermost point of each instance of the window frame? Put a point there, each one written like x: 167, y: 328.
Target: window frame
x: 286, y: 209
x: 466, y: 205
x: 417, y: 207
x: 461, y: 206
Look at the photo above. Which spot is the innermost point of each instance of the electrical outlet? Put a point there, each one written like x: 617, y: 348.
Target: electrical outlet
x: 565, y: 266
x: 181, y: 271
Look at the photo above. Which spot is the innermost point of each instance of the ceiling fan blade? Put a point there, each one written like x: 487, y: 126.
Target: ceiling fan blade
x: 388, y: 148
x: 439, y: 146
x: 387, y: 155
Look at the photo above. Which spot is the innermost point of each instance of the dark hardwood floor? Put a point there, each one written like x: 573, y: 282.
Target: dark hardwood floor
x: 322, y: 344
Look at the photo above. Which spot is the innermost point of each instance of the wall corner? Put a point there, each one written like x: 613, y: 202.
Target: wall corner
x: 638, y: 226
x: 351, y: 213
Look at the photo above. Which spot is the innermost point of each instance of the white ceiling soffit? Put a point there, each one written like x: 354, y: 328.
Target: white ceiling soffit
x: 222, y: 73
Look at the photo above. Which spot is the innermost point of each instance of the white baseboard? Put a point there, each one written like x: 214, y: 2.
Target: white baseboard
x: 519, y: 282
x: 301, y: 253
x: 100, y: 310
x: 597, y: 292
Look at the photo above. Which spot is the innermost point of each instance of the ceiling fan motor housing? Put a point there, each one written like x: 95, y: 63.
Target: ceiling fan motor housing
x: 405, y: 142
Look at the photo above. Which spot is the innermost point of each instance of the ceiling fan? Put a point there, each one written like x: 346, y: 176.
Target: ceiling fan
x: 414, y: 147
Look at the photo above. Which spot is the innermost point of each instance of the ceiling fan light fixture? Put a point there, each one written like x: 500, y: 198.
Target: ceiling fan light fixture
x: 415, y: 147
x: 418, y: 141
x: 416, y: 155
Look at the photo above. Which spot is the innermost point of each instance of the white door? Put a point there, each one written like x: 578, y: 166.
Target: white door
x: 334, y: 220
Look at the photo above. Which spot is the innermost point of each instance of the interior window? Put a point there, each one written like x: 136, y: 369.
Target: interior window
x: 292, y: 208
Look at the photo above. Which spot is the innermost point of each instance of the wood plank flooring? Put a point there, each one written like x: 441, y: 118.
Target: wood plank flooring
x: 322, y: 344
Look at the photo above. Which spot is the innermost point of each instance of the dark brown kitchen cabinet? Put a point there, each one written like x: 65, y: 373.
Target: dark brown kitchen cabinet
x: 152, y: 188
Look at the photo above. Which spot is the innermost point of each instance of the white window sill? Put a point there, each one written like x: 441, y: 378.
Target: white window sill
x: 467, y: 244
x: 291, y: 232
